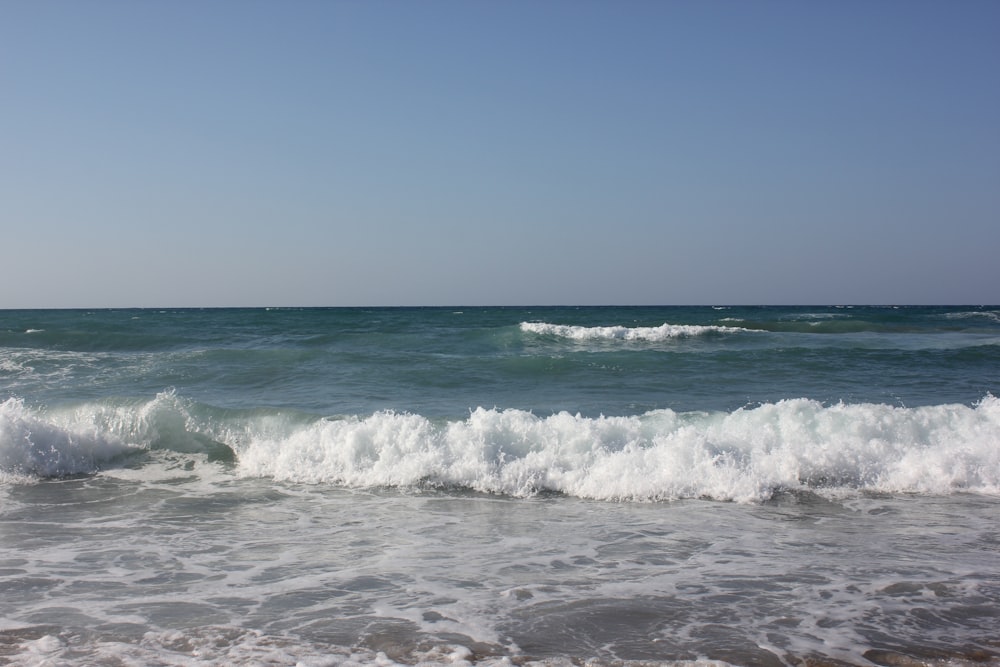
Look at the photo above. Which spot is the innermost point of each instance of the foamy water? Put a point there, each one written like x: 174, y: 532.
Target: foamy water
x: 663, y: 332
x: 500, y: 487
x: 180, y: 562
x: 747, y: 455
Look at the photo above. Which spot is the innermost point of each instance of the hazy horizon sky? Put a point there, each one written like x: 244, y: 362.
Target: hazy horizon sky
x: 307, y: 153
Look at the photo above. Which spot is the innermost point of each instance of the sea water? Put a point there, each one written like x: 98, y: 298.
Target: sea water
x: 500, y: 486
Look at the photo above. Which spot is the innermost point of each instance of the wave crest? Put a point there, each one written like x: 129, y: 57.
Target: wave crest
x: 33, y: 445
x: 93, y: 436
x: 652, y: 334
x: 744, y: 456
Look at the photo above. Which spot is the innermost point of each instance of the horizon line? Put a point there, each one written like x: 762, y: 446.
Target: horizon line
x: 525, y: 305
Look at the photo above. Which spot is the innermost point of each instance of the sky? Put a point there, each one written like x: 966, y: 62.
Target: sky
x: 476, y: 152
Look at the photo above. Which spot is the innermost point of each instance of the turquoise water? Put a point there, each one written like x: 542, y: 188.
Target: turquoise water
x: 443, y: 362
x: 756, y: 485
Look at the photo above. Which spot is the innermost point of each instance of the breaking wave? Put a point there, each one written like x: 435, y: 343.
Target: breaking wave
x: 31, y: 444
x: 91, y: 437
x: 651, y: 334
x: 746, y: 455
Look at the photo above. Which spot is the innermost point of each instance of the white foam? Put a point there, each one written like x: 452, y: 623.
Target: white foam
x: 14, y: 368
x: 992, y: 315
x: 218, y: 646
x: 653, y: 334
x: 744, y: 456
x: 31, y: 444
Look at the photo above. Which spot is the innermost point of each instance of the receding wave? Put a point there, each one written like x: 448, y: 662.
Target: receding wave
x: 746, y: 455
x: 661, y: 333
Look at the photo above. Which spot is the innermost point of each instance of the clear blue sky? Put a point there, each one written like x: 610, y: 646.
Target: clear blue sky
x: 229, y: 153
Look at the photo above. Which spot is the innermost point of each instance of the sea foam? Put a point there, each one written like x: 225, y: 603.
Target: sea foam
x: 652, y: 334
x: 745, y: 456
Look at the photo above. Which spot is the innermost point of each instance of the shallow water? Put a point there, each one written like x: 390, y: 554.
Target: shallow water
x: 155, y: 561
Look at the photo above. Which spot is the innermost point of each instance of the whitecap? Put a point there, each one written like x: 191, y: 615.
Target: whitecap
x: 663, y: 332
x: 745, y: 456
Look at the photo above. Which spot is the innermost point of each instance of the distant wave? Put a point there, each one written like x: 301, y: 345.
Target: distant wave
x: 660, y: 333
x: 746, y: 455
x: 991, y: 315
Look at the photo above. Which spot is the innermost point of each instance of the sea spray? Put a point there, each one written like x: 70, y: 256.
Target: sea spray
x: 30, y: 444
x: 90, y: 437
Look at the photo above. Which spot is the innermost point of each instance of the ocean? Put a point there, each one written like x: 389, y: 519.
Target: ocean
x: 804, y: 486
